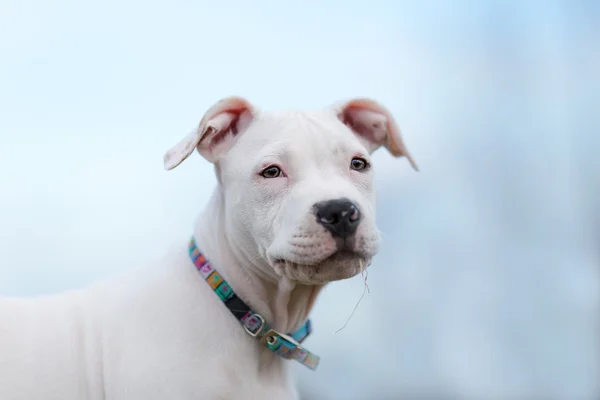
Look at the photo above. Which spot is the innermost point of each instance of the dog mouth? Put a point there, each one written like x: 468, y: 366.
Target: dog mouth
x: 338, y: 256
x: 339, y: 265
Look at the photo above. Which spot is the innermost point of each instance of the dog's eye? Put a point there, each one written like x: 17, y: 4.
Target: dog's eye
x: 271, y: 172
x: 358, y: 164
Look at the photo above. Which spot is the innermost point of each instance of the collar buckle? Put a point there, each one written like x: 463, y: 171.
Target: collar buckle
x: 254, y: 324
x: 280, y: 343
x: 287, y: 347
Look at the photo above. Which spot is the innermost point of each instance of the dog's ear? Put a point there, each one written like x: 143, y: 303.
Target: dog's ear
x: 216, y: 133
x: 374, y: 126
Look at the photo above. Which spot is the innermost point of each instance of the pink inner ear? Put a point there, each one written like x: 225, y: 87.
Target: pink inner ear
x: 369, y: 124
x: 221, y: 129
x: 222, y: 124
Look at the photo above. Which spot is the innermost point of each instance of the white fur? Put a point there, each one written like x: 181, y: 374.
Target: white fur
x: 161, y: 332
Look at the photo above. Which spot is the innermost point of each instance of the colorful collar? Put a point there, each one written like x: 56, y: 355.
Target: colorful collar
x: 286, y: 346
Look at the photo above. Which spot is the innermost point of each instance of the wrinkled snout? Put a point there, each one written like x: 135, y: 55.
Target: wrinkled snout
x: 340, y: 217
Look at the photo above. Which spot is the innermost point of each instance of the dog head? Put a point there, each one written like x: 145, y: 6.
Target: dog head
x: 298, y: 185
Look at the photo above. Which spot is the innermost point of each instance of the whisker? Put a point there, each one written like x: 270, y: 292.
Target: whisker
x: 365, y: 290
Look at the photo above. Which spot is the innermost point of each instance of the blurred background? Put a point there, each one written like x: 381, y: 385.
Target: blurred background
x: 488, y: 282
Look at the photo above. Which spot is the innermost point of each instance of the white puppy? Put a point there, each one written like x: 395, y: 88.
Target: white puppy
x: 293, y: 210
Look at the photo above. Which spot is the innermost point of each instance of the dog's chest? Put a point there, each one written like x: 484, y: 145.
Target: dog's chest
x: 211, y: 370
x: 187, y: 345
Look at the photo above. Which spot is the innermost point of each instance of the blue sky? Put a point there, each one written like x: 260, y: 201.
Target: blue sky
x: 487, y: 286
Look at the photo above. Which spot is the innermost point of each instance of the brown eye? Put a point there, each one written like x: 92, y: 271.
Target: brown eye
x: 271, y: 172
x: 358, y: 164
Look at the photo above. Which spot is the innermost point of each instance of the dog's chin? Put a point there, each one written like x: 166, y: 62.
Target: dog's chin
x: 338, y: 266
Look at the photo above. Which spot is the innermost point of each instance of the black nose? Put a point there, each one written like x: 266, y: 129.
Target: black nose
x: 341, y: 217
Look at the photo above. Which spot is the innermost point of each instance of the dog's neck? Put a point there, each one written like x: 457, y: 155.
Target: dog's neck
x: 284, y: 304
